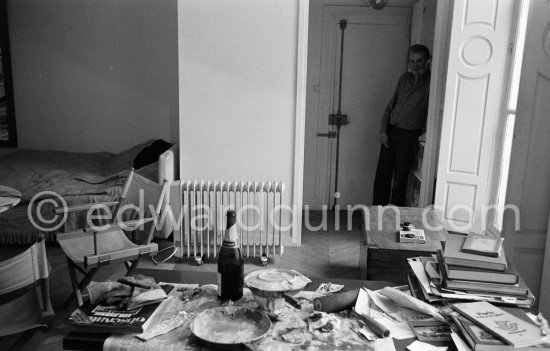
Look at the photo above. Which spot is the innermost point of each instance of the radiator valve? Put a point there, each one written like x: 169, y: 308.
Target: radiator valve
x: 264, y: 260
x: 198, y: 259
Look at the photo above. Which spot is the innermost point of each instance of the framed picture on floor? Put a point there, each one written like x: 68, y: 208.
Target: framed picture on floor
x: 8, y: 135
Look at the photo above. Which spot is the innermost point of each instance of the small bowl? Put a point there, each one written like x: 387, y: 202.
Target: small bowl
x: 269, y: 287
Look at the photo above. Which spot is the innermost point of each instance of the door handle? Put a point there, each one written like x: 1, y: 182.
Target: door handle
x: 329, y: 134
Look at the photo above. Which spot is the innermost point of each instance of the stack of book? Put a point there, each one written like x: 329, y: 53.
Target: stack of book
x: 477, y: 273
x: 472, y: 267
x: 486, y: 327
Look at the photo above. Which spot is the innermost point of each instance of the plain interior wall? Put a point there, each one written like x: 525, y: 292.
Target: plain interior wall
x: 94, y: 75
x: 237, y: 63
x: 422, y: 31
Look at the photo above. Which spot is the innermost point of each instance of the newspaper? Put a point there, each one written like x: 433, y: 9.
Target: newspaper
x: 290, y: 331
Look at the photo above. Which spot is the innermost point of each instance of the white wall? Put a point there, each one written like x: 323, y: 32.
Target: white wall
x: 93, y: 75
x: 237, y: 63
x: 422, y: 29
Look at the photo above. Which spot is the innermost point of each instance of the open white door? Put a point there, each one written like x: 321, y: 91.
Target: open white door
x: 529, y: 179
x: 478, y: 52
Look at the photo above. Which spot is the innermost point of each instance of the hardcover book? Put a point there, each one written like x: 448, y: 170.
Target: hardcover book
x: 482, y: 339
x: 476, y: 287
x: 454, y: 255
x: 479, y: 244
x: 509, y: 276
x: 414, y: 287
x: 504, y: 325
x: 519, y: 290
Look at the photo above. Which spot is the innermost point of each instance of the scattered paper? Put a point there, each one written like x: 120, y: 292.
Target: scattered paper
x: 327, y: 288
x: 422, y: 346
x: 385, y: 344
x: 432, y: 272
x: 384, y: 303
x: 164, y: 326
x: 459, y: 343
x: 387, y: 313
x: 362, y: 304
x: 398, y: 325
x: 405, y: 300
x: 416, y: 265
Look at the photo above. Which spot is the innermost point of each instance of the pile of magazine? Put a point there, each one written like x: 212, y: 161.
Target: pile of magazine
x: 458, y: 274
x: 485, y: 299
x: 134, y: 316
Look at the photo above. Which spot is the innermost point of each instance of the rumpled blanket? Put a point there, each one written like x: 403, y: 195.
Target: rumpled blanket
x: 79, y: 178
x: 32, y: 172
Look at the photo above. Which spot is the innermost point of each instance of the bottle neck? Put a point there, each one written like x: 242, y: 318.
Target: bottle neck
x: 230, y: 236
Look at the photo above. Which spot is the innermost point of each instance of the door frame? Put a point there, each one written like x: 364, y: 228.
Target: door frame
x: 330, y: 62
x: 300, y: 112
x: 440, y: 56
x: 437, y: 86
x: 544, y: 304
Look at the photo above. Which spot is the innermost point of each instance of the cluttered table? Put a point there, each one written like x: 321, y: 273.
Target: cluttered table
x: 345, y: 335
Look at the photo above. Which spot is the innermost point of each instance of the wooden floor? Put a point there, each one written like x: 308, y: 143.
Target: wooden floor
x: 326, y: 253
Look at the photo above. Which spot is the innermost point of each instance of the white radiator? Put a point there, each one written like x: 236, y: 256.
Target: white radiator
x: 201, y: 208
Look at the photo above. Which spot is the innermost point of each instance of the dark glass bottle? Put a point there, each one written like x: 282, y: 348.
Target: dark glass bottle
x: 230, y: 263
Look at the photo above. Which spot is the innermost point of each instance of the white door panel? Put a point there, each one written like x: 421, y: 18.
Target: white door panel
x: 529, y: 179
x: 480, y: 32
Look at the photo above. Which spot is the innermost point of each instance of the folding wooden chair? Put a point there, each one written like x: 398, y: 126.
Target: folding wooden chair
x: 24, y: 295
x: 89, y: 249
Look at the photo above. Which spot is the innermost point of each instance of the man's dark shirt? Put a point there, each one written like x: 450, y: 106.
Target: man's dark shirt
x: 408, y: 107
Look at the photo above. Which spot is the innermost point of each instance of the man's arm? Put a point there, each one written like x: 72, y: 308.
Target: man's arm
x: 384, y: 139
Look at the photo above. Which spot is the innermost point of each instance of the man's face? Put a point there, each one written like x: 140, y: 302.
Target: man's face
x: 418, y: 63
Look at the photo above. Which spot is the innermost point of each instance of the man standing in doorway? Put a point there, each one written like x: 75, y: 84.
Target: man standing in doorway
x: 404, y: 120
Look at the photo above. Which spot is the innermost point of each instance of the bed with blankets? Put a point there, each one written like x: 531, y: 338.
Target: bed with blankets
x: 79, y: 178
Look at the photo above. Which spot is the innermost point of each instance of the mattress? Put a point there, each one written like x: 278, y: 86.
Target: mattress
x: 77, y: 178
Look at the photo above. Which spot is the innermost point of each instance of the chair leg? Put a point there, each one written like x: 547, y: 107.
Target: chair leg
x: 131, y: 266
x: 74, y: 282
x: 78, y: 287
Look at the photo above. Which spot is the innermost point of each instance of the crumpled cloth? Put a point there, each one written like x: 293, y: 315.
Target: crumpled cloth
x: 122, y: 291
